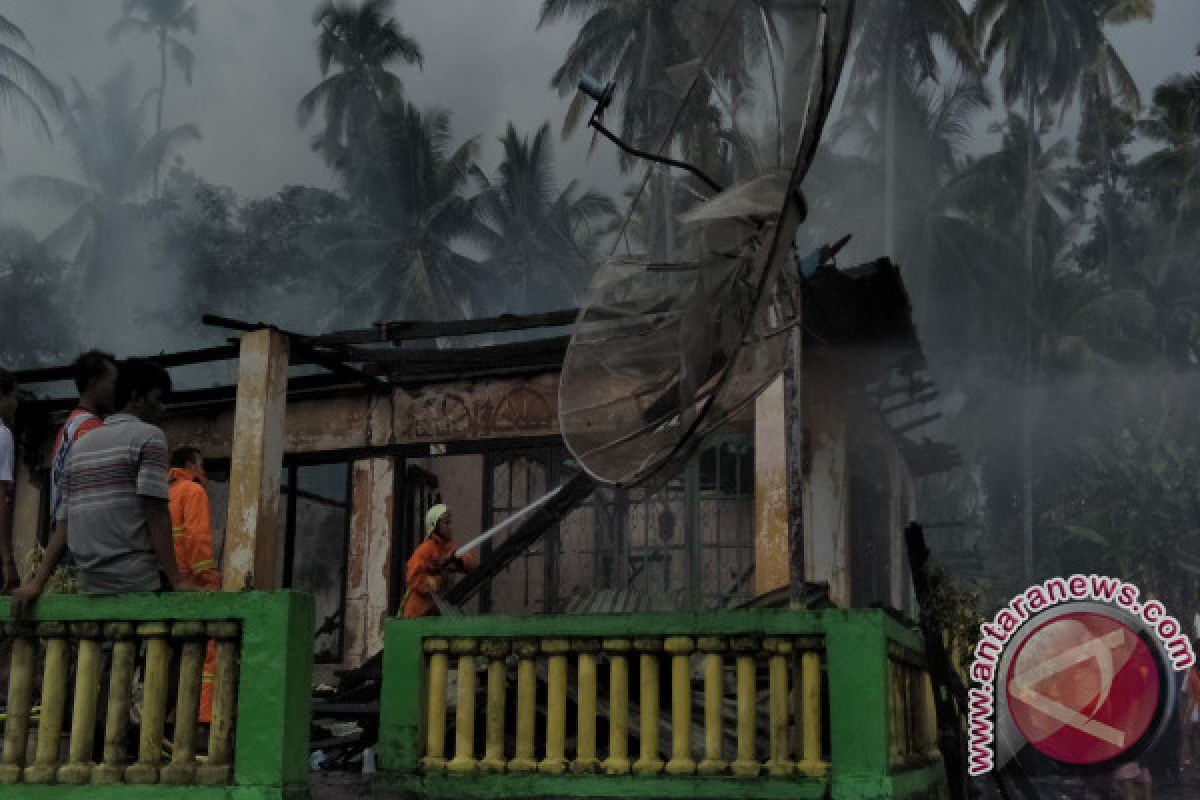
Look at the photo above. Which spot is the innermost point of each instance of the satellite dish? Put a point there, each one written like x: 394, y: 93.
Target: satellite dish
x: 672, y: 342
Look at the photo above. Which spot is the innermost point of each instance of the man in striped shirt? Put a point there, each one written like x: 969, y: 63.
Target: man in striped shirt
x: 113, y: 510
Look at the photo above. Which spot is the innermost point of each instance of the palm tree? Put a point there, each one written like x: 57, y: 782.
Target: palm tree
x: 1033, y: 206
x: 164, y: 19
x: 414, y: 212
x: 37, y: 327
x: 1046, y: 48
x: 115, y: 160
x: 23, y: 87
x: 657, y: 51
x: 896, y: 45
x: 1107, y: 93
x: 630, y: 42
x: 361, y: 43
x: 537, y: 237
x: 1171, y: 174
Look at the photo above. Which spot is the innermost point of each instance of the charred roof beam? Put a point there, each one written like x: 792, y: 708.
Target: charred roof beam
x: 303, y: 345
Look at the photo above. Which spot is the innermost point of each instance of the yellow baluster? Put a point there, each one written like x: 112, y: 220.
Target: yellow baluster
x: 54, y: 703
x: 555, y: 762
x: 902, y: 688
x: 617, y: 762
x: 779, y: 650
x: 648, y: 762
x: 218, y: 768
x: 909, y: 719
x: 182, y: 769
x: 20, y: 701
x: 120, y: 696
x: 493, y: 755
x: 714, y: 691
x: 464, y: 712
x: 929, y: 718
x: 435, y: 725
x: 811, y: 763
x: 154, y: 703
x: 585, y: 756
x: 894, y: 712
x: 526, y: 650
x: 920, y: 734
x: 746, y: 765
x: 680, y: 648
x: 78, y: 768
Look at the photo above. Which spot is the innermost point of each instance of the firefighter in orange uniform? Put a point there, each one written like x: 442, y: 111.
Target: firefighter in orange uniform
x: 191, y: 529
x: 428, y: 569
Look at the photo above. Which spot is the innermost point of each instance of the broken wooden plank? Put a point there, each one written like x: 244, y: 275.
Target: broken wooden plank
x: 406, y: 330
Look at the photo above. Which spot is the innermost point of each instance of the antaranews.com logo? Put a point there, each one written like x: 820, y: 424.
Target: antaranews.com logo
x: 1075, y: 667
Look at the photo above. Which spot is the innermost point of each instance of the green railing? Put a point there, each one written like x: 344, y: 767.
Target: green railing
x: 755, y: 704
x: 102, y: 697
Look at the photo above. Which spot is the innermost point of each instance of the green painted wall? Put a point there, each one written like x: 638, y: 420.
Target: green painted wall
x: 274, y: 687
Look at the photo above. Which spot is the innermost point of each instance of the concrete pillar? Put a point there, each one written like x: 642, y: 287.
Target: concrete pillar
x: 254, y: 527
x: 902, y: 510
x: 826, y: 485
x: 771, y: 554
x: 369, y: 560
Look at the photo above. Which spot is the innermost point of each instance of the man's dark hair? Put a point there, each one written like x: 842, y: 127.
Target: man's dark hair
x: 8, y: 382
x: 89, y: 367
x: 136, y: 377
x: 181, y: 457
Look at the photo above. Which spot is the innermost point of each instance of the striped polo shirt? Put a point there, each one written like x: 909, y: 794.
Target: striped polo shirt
x: 108, y: 474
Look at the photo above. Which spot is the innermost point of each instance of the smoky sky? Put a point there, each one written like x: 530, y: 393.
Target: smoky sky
x: 485, y: 61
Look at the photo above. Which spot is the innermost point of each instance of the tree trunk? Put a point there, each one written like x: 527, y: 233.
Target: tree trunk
x: 162, y: 90
x: 1026, y: 467
x: 1110, y: 190
x: 889, y: 150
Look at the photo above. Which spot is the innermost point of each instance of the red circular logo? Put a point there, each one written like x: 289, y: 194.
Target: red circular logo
x: 1083, y: 688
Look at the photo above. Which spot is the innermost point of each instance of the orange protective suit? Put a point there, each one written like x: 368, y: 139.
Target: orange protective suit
x: 191, y: 530
x: 426, y: 577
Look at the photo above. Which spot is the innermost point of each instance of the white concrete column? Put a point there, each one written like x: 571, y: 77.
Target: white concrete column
x: 826, y: 488
x: 772, y: 568
x: 369, y: 560
x: 251, y: 558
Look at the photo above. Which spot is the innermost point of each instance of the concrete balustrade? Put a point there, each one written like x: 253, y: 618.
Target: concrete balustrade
x: 555, y: 762
x: 88, y: 652
x: 680, y: 648
x: 439, y: 666
x: 617, y: 762
x: 648, y: 762
x: 586, y: 762
x: 809, y: 760
x: 497, y: 689
x: 464, y: 720
x: 746, y: 765
x: 120, y: 697
x: 78, y: 768
x: 20, y: 703
x: 524, y: 761
x: 912, y: 717
x: 813, y: 704
x: 712, y: 647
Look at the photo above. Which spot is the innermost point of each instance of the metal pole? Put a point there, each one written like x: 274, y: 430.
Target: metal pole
x: 794, y: 426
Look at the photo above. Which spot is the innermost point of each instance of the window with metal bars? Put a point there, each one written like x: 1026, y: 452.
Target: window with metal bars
x: 687, y: 544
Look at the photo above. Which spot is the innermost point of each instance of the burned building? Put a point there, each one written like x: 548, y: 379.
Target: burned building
x: 331, y: 448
